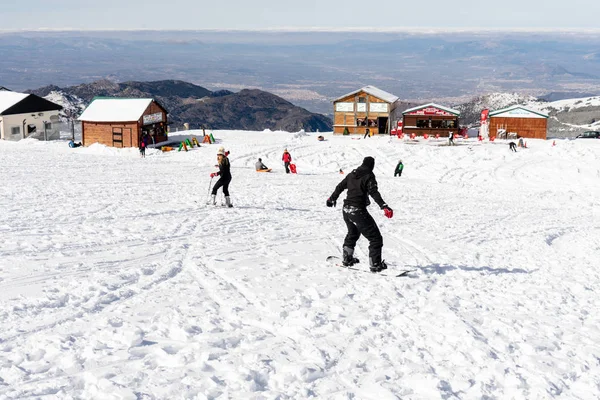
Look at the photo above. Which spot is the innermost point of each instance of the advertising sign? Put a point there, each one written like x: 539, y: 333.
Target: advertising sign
x: 378, y: 107
x: 431, y: 111
x: 152, y: 118
x: 344, y: 107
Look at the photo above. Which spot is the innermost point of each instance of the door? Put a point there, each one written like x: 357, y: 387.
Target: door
x: 127, y: 136
x: 117, y: 137
x: 382, y: 124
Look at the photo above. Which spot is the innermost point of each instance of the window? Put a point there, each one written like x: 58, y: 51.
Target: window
x: 31, y: 128
x: 48, y: 126
x: 361, y: 122
x: 15, y: 130
x: 362, y: 99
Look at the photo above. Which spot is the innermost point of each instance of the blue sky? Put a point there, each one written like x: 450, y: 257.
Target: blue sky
x: 269, y: 14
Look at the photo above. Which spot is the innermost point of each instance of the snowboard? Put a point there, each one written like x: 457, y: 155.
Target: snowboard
x: 264, y: 170
x: 337, y: 261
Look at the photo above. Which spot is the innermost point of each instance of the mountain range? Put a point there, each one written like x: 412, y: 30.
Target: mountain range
x: 248, y: 109
x: 253, y: 109
x: 310, y: 69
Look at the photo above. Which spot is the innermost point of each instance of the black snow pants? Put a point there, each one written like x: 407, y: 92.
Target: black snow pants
x: 360, y: 222
x: 222, y: 183
x: 287, y: 167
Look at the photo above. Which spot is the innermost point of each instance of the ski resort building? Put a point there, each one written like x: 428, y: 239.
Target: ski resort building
x: 518, y: 121
x: 431, y: 119
x: 121, y: 122
x: 23, y: 115
x: 366, y: 108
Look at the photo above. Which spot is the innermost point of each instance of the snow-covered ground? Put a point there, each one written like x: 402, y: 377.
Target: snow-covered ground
x: 117, y: 281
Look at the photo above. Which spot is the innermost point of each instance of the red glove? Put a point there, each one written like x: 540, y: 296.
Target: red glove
x: 212, y: 175
x: 388, y: 212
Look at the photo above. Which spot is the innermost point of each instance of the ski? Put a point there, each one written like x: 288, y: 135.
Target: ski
x: 332, y: 260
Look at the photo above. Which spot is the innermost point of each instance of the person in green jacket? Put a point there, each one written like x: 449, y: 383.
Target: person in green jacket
x: 399, y: 168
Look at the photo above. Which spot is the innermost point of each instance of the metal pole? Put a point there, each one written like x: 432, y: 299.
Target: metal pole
x: 45, y: 135
x: 209, y: 185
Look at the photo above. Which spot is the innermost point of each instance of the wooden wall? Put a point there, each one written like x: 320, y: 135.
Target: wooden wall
x: 102, y: 132
x: 342, y: 120
x: 534, y: 128
x: 152, y: 109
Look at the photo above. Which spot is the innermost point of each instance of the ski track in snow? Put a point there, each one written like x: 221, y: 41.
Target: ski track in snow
x: 117, y: 281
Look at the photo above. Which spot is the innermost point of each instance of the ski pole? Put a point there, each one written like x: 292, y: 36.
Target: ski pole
x: 209, y: 185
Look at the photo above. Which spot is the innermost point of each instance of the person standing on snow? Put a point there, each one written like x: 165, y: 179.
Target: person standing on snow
x: 225, y: 177
x: 143, y: 146
x: 287, y: 160
x: 399, y: 168
x: 361, y: 184
x: 451, y: 139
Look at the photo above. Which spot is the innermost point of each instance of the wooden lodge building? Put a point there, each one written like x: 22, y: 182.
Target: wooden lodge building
x: 366, y: 108
x: 519, y: 121
x: 121, y: 122
x: 430, y: 119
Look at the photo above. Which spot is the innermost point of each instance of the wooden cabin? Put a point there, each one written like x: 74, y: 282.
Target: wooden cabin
x: 432, y: 119
x: 121, y: 122
x: 366, y: 108
x: 518, y: 121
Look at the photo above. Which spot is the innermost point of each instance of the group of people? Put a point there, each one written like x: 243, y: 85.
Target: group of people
x: 286, y: 158
x: 360, y: 184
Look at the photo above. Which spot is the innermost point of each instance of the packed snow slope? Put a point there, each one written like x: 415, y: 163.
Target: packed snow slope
x: 118, y: 282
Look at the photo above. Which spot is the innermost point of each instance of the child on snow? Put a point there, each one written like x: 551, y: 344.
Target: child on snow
x: 399, y: 168
x: 260, y: 166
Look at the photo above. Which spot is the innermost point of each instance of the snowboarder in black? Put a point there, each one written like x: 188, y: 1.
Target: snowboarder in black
x: 225, y: 177
x: 360, y: 184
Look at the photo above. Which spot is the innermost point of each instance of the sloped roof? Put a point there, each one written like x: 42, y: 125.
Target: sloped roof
x: 517, y: 107
x: 373, y: 91
x: 447, y: 109
x: 114, y: 109
x: 9, y: 99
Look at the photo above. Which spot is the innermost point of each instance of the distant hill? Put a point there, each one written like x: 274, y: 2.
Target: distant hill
x: 251, y: 110
x: 198, y: 106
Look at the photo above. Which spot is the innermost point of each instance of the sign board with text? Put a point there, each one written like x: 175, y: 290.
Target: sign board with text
x: 434, y: 111
x: 153, y: 118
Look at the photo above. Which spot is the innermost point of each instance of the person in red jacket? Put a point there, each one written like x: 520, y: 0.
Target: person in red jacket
x: 287, y: 160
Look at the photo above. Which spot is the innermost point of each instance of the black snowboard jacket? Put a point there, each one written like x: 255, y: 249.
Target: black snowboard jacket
x: 361, y: 184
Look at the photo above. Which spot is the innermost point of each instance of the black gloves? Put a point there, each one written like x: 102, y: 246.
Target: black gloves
x: 330, y: 203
